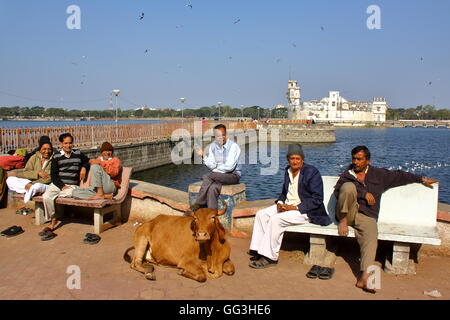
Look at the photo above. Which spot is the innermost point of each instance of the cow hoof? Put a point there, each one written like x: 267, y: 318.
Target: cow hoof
x: 150, y: 276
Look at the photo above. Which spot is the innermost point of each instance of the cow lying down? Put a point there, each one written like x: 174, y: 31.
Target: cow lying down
x: 195, y: 244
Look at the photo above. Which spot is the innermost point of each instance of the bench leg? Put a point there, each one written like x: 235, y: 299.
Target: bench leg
x: 98, y: 221
x: 316, y: 249
x: 400, y: 260
x: 100, y: 225
x: 39, y: 216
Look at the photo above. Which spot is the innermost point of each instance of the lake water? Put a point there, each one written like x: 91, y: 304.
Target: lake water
x: 417, y: 150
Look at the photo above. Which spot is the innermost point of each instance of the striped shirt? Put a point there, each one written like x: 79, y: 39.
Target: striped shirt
x: 66, y: 169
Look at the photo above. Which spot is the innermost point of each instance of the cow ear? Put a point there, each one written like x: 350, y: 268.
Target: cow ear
x: 193, y: 226
x: 220, y: 229
x: 221, y: 212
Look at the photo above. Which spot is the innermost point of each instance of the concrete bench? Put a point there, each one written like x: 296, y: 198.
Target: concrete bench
x: 101, y: 207
x: 232, y: 195
x: 407, y: 216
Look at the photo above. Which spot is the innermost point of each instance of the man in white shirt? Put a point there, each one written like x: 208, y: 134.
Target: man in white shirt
x: 222, y: 160
x: 300, y: 202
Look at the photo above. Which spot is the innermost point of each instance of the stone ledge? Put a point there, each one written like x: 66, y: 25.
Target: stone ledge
x: 229, y: 190
x: 176, y: 199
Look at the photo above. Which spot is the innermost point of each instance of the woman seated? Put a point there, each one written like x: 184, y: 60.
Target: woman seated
x: 106, y: 171
x: 34, y: 179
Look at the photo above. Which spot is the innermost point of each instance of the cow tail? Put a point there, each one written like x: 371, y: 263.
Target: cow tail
x: 126, y: 256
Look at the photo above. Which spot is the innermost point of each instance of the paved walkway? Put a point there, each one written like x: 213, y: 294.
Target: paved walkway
x: 33, y: 269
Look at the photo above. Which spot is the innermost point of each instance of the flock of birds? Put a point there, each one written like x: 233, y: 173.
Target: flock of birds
x: 190, y: 6
x: 413, y: 166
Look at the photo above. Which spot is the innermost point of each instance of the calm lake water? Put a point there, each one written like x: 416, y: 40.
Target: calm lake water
x: 417, y: 150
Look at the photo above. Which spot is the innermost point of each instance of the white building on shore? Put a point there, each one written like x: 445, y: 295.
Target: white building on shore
x: 333, y: 108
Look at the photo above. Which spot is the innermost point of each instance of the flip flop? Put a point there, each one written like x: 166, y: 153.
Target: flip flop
x: 254, y: 255
x: 314, y: 272
x: 263, y: 263
x: 12, y: 231
x: 44, y: 231
x: 326, y: 273
x: 49, y: 235
x: 91, y: 238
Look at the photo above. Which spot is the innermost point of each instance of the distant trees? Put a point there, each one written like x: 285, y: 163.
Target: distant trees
x: 421, y: 112
x: 226, y: 111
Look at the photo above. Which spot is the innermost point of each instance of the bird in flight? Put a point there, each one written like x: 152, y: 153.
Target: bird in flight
x: 146, y: 51
x: 294, y: 45
x: 189, y: 6
x: 141, y: 16
x: 429, y: 83
x: 322, y: 28
x: 237, y: 21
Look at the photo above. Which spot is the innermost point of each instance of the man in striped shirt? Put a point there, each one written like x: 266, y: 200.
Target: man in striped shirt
x: 69, y: 167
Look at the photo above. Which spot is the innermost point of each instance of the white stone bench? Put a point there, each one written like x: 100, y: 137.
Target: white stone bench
x: 407, y: 215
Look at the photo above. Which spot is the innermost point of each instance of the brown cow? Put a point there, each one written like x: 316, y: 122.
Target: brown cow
x: 195, y: 244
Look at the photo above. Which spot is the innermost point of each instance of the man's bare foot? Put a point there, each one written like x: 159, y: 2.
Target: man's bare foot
x: 108, y: 196
x: 362, y: 282
x: 343, y: 227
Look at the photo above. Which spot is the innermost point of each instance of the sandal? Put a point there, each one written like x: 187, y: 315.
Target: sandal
x: 44, y: 231
x: 12, y: 231
x: 91, y: 238
x: 326, y: 273
x: 254, y: 255
x: 262, y: 263
x: 49, y: 235
x: 314, y: 272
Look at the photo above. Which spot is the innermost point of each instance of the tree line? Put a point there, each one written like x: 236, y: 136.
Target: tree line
x: 427, y: 112
x: 254, y: 112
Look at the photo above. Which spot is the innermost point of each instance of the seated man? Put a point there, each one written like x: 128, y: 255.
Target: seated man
x: 358, y: 193
x: 34, y: 179
x: 105, y: 176
x: 223, y: 161
x: 68, y: 169
x: 300, y: 202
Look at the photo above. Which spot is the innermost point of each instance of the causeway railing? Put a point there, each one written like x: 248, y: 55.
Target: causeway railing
x: 92, y: 136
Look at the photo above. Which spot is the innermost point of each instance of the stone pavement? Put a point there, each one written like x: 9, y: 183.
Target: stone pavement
x: 34, y: 269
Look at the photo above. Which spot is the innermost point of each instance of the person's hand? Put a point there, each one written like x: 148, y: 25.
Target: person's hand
x: 28, y: 186
x: 280, y: 207
x: 43, y: 174
x: 82, y: 174
x: 370, y: 199
x: 289, y: 208
x: 427, y: 182
x: 65, y: 188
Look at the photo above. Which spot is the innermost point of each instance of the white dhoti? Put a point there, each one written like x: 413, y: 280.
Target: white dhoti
x: 51, y: 194
x: 269, y: 228
x: 18, y: 185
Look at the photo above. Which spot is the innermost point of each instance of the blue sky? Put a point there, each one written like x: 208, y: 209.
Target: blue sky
x: 203, y: 55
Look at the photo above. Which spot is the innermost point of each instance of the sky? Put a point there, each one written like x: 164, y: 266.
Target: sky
x: 238, y: 52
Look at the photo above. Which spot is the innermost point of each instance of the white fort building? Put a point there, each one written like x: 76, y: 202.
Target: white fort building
x: 333, y: 108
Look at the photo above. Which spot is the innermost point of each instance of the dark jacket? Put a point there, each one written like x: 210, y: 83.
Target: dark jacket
x: 310, y: 192
x: 377, y: 181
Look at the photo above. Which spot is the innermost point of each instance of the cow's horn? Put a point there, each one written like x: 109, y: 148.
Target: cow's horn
x: 221, y: 212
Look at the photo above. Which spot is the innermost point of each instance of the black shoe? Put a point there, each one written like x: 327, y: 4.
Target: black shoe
x: 91, y: 238
x: 12, y: 231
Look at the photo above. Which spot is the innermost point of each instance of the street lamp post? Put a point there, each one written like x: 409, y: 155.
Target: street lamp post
x: 219, y: 103
x: 242, y: 109
x: 116, y: 92
x: 258, y: 113
x: 182, y: 108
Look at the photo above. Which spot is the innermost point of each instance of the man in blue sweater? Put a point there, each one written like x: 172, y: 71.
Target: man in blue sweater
x: 300, y: 202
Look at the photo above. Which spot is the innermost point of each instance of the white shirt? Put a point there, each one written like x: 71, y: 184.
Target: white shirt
x: 292, y: 197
